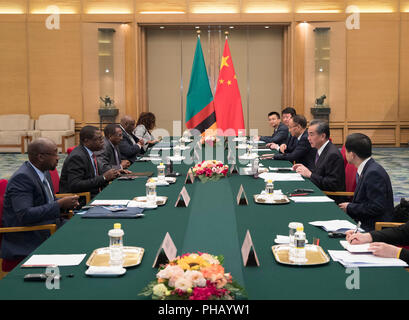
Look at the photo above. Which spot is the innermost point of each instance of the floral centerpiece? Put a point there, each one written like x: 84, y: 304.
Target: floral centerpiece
x: 194, y: 276
x: 210, y: 170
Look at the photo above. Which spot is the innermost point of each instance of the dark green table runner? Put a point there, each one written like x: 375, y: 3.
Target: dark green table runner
x: 214, y: 223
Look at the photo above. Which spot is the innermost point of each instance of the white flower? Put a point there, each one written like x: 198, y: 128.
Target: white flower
x: 210, y: 259
x: 170, y: 271
x: 160, y: 290
x: 183, y: 284
x: 196, y: 278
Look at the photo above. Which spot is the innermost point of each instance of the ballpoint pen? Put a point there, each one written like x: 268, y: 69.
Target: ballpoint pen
x: 357, y: 226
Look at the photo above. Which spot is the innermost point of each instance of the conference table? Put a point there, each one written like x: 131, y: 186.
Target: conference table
x: 214, y: 223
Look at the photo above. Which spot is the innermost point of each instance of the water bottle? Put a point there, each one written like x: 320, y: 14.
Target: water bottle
x: 269, y: 187
x: 116, y: 253
x: 292, y: 230
x: 151, y: 192
x: 161, y: 172
x: 299, y: 246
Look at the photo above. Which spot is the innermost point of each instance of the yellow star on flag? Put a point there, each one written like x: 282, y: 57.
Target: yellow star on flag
x: 221, y: 81
x: 228, y: 82
x: 224, y: 62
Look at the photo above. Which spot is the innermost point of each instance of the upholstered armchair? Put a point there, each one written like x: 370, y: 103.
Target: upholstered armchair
x: 16, y: 130
x: 58, y: 127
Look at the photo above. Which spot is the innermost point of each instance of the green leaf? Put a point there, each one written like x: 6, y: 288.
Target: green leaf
x: 220, y: 258
x: 148, y: 290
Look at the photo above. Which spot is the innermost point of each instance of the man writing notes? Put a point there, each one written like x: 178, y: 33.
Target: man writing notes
x: 373, y: 197
x: 81, y: 171
x: 384, y: 242
x: 29, y: 200
x: 328, y: 172
x: 280, y: 130
x: 300, y: 150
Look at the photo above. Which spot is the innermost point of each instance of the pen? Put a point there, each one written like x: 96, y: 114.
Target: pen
x: 298, y: 194
x: 357, y: 226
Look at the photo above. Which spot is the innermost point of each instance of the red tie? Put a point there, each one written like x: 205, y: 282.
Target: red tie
x: 95, y: 163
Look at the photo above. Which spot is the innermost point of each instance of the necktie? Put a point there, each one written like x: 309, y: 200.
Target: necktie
x: 317, y: 156
x: 357, y: 178
x: 118, y: 163
x: 95, y: 163
x: 48, y: 191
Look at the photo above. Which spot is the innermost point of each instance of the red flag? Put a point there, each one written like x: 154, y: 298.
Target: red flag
x: 227, y: 100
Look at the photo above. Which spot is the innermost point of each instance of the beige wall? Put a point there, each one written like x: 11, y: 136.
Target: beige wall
x: 44, y: 71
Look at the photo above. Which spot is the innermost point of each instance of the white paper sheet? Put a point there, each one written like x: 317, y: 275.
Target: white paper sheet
x: 281, y: 176
x: 355, y: 248
x: 306, y: 199
x: 44, y: 260
x: 109, y: 202
x: 334, y: 225
x: 261, y: 150
x: 348, y: 259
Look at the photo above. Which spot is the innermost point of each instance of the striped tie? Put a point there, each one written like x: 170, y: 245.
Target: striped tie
x: 48, y: 191
x: 95, y: 164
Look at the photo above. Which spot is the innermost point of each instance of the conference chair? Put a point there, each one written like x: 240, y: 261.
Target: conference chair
x: 8, y: 265
x: 350, y: 179
x: 55, y: 178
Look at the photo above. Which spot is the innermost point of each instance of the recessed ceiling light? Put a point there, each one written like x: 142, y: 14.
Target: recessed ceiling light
x: 162, y: 27
x: 267, y: 27
x: 197, y: 27
x: 231, y: 27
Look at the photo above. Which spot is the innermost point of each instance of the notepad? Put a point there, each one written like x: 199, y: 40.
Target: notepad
x: 351, y: 260
x: 61, y: 260
x: 109, y: 202
x: 311, y: 199
x: 355, y: 248
x: 334, y: 225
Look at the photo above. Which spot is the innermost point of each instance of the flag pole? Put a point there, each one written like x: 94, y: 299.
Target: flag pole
x: 198, y: 33
x: 226, y: 33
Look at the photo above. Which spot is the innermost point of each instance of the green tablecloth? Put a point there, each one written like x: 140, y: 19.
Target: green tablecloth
x: 212, y: 223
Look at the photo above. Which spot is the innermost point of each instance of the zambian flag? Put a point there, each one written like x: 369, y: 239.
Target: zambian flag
x: 200, y: 112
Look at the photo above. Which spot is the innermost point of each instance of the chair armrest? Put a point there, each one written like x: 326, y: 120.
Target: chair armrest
x: 339, y: 193
x: 51, y: 227
x: 87, y: 195
x: 381, y: 225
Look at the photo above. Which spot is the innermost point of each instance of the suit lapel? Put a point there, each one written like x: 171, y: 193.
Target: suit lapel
x: 37, y: 180
x: 89, y: 163
x: 361, y: 177
x: 323, y: 155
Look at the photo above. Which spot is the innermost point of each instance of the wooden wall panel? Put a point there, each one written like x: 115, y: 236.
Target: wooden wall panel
x: 377, y: 135
x: 55, y: 69
x: 64, y: 6
x: 13, y: 68
x: 373, y: 71
x: 404, y: 72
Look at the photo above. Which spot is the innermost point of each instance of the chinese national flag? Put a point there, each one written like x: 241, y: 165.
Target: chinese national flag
x: 227, y: 100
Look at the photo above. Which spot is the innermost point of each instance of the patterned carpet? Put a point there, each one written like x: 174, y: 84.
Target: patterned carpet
x: 394, y: 160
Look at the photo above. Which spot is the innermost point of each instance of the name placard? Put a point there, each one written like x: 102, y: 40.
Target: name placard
x: 167, y: 252
x: 190, y: 178
x: 248, y: 252
x: 241, y: 197
x: 183, y: 198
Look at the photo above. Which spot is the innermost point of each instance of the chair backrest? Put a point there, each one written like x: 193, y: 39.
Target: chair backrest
x: 3, y: 185
x: 54, y: 122
x: 70, y: 149
x: 350, y: 172
x: 15, y: 122
x: 55, y: 178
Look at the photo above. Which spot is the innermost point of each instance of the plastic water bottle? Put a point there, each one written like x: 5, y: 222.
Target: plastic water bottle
x: 116, y: 252
x: 292, y: 230
x: 299, y: 246
x: 161, y: 172
x: 269, y: 187
x: 254, y: 166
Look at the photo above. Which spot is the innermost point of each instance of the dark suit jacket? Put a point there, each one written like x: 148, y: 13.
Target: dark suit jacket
x: 279, y: 136
x: 129, y: 151
x: 373, y: 197
x: 78, y: 175
x: 107, y: 157
x: 329, y: 172
x: 26, y: 204
x: 299, y: 151
x: 396, y: 236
